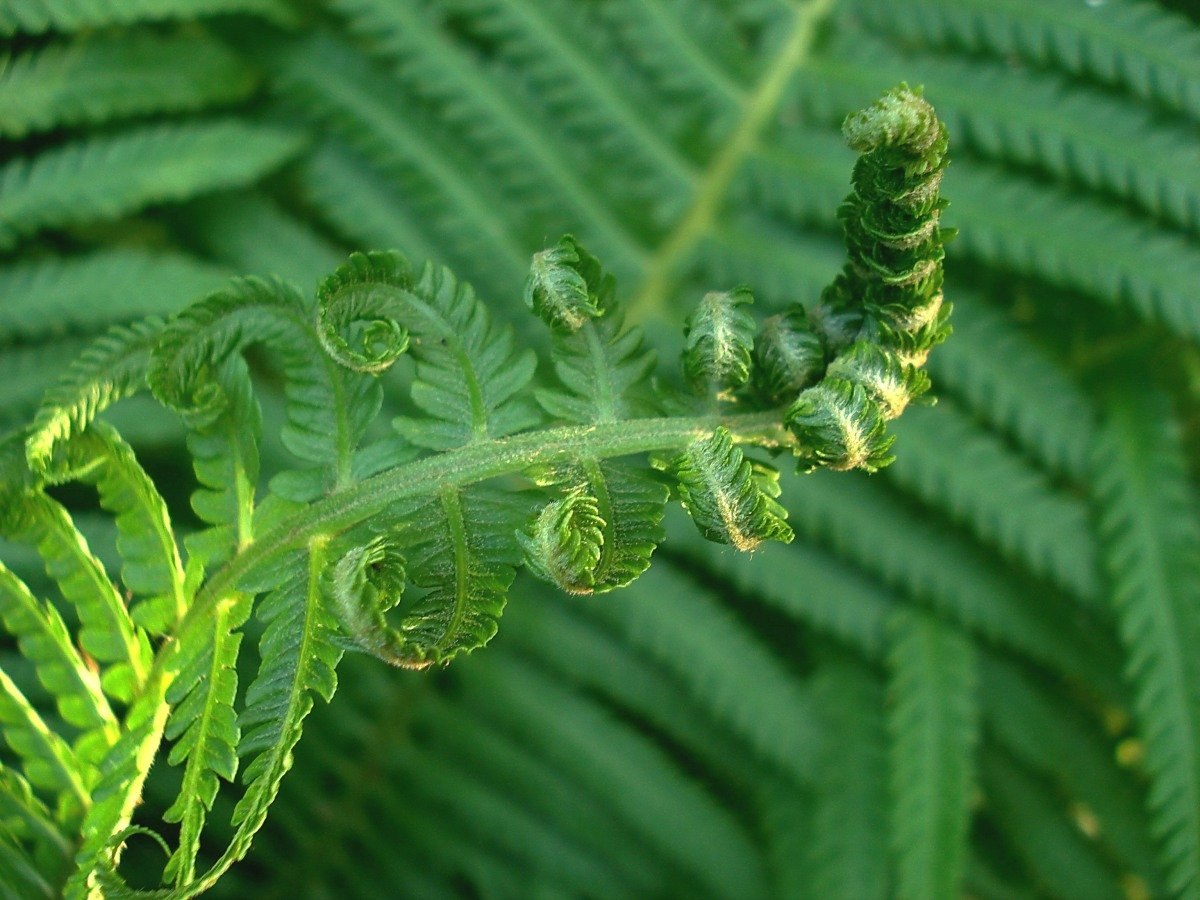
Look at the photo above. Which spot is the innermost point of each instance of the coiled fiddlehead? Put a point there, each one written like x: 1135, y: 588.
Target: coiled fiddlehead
x: 885, y: 311
x: 405, y: 546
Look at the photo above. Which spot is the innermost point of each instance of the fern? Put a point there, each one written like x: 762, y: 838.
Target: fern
x: 104, y: 78
x: 334, y: 540
x: 934, y: 713
x: 32, y: 17
x: 692, y: 144
x: 1149, y: 529
x: 105, y: 178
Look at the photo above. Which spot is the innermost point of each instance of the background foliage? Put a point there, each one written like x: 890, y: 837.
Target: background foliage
x: 976, y: 670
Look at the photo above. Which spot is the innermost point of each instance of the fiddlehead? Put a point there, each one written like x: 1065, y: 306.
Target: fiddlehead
x: 406, y: 546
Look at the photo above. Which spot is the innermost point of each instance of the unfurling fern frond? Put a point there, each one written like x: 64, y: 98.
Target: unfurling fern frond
x: 405, y: 545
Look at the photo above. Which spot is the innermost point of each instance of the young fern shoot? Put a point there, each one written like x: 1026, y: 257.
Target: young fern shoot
x: 405, y: 546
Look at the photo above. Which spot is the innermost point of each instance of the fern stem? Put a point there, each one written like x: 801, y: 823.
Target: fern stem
x: 760, y: 105
x: 475, y: 462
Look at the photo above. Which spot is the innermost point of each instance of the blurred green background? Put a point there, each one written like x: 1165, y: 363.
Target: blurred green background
x: 975, y: 673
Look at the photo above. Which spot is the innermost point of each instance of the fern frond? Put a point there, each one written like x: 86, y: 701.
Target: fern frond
x: 338, y: 89
x: 719, y: 337
x: 469, y: 373
x: 204, y: 727
x: 642, y: 788
x: 105, y: 77
x: 109, y: 369
x: 327, y: 407
x: 719, y: 661
x: 1018, y: 388
x: 299, y: 659
x: 41, y: 296
x: 104, y: 178
x: 1052, y: 233
x: 849, y: 850
x: 454, y: 544
x: 1062, y: 860
x: 37, y: 17
x: 907, y: 551
x: 536, y: 168
x: 48, y: 761
x: 1149, y: 51
x: 934, y: 727
x: 1150, y: 535
x: 1048, y: 733
x: 118, y: 790
x: 151, y: 569
x: 107, y: 631
x: 961, y: 469
x: 29, y: 823
x: 44, y: 640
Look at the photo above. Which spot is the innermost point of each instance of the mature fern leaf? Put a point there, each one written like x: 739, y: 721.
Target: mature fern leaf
x: 339, y: 90
x: 1062, y: 861
x: 690, y: 53
x: 933, y: 723
x: 478, y: 748
x: 1148, y: 523
x: 41, y: 295
x: 105, y: 77
x: 836, y: 600
x: 849, y: 854
x: 36, y: 17
x: 505, y: 136
x: 27, y: 819
x: 961, y: 469
x: 542, y: 45
x: 362, y: 206
x: 1018, y: 388
x: 1049, y: 734
x: 694, y: 639
x: 251, y: 232
x: 101, y: 179
x: 1137, y: 46
x: 639, y: 784
x: 1051, y: 233
x: 930, y: 563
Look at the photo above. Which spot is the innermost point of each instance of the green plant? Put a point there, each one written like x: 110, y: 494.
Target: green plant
x: 330, y: 548
x: 969, y: 673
